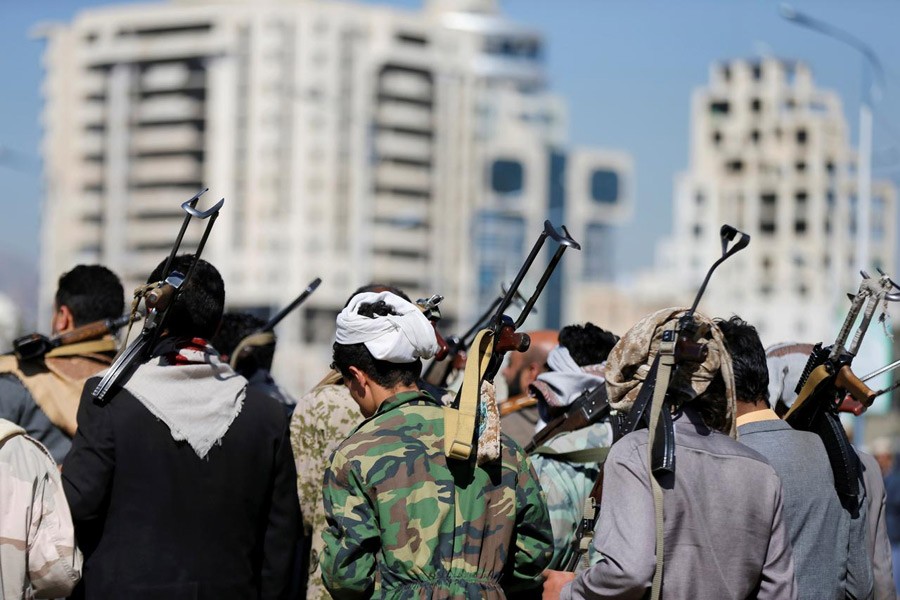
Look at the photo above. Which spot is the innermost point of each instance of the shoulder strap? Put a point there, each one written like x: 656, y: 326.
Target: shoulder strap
x: 583, y: 456
x: 100, y: 346
x: 8, y: 429
x: 459, y: 423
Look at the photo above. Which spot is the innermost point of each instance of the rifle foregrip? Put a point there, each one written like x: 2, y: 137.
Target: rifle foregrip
x: 860, y: 391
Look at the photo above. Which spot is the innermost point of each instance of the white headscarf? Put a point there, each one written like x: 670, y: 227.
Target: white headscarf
x: 566, y: 381
x: 400, y: 338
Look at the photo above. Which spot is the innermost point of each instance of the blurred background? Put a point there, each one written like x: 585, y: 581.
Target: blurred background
x: 423, y: 143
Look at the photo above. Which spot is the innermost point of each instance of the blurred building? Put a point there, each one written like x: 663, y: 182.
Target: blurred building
x: 770, y: 154
x: 352, y: 142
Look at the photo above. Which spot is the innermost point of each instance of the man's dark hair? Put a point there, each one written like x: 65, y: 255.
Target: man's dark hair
x: 386, y: 374
x: 748, y: 359
x: 198, y: 309
x: 234, y: 328
x: 92, y: 293
x: 587, y: 344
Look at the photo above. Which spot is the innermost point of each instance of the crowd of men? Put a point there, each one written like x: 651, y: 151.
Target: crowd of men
x: 199, y: 477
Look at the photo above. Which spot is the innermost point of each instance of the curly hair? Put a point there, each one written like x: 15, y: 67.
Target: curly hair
x: 587, y: 344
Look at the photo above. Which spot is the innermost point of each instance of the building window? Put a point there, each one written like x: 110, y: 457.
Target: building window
x: 757, y: 71
x: 801, y: 136
x: 699, y: 198
x: 800, y: 166
x: 507, y: 176
x: 605, y: 186
x: 598, y: 253
x: 717, y: 137
x: 800, y: 226
x: 734, y: 166
x: 719, y: 107
x: 756, y: 105
x: 754, y: 136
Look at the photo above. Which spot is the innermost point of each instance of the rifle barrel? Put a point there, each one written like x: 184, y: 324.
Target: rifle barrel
x: 296, y: 302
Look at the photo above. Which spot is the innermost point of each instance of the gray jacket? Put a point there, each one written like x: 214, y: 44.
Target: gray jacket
x: 725, y: 535
x: 817, y: 524
x: 878, y: 545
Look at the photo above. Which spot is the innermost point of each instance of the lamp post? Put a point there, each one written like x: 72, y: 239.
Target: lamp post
x: 871, y: 91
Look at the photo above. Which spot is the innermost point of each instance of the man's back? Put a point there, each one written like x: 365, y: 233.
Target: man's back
x: 158, y: 521
x: 453, y: 529
x: 724, y: 535
x: 817, y: 525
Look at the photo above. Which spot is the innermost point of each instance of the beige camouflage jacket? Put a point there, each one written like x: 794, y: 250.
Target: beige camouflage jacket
x: 322, y: 420
x: 38, y: 556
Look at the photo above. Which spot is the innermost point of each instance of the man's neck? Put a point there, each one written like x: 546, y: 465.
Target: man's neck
x: 748, y: 412
x: 380, y: 394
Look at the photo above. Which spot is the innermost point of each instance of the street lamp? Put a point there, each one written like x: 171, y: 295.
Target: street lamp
x: 871, y: 91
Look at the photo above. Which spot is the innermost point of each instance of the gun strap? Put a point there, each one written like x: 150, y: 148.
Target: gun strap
x: 584, y: 456
x: 666, y: 363
x: 100, y: 346
x: 459, y: 423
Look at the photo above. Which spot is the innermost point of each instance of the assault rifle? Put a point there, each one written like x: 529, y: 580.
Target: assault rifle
x: 265, y: 334
x: 35, y: 345
x: 828, y: 378
x: 677, y: 346
x: 589, y: 408
x: 453, y: 359
x: 158, y: 298
x: 492, y: 343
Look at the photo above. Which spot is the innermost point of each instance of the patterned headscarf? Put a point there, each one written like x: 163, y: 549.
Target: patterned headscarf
x: 630, y: 360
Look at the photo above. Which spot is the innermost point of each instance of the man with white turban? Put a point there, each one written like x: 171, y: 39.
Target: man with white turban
x: 401, y: 515
x: 722, y: 511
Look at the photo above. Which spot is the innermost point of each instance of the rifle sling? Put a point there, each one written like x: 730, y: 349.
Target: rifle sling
x: 584, y: 456
x: 459, y: 423
x: 100, y: 346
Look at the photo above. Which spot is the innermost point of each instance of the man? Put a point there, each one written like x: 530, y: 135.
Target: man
x: 519, y: 415
x: 869, y: 562
x: 400, y: 513
x: 817, y: 524
x: 182, y: 485
x: 323, y: 418
x: 38, y: 556
x: 576, y: 366
x: 892, y: 518
x: 254, y: 362
x: 41, y: 395
x: 724, y: 533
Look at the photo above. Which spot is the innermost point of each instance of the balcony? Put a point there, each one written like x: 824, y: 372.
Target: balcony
x: 182, y: 169
x: 405, y: 116
x: 165, y: 109
x: 164, y: 139
x: 407, y: 241
x: 407, y: 85
x: 159, y: 202
x: 400, y: 145
x: 171, y: 77
x: 392, y: 176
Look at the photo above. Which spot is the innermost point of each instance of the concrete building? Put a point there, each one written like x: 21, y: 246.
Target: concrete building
x: 352, y: 142
x: 770, y: 154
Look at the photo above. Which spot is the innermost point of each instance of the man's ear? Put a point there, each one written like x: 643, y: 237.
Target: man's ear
x: 357, y: 380
x: 63, y: 320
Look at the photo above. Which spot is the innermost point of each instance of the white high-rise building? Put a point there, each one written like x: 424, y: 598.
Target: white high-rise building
x: 770, y: 154
x: 353, y: 142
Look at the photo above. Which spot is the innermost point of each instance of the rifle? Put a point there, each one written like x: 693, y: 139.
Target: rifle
x: 828, y: 377
x: 453, y: 360
x: 590, y: 407
x: 35, y: 345
x: 158, y: 297
x: 264, y: 335
x: 493, y: 342
x: 677, y: 346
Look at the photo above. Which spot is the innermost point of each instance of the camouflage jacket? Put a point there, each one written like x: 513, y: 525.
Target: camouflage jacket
x: 567, y: 485
x: 322, y: 420
x: 399, y: 513
x: 38, y: 556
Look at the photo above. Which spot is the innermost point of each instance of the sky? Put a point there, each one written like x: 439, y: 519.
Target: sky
x: 625, y: 68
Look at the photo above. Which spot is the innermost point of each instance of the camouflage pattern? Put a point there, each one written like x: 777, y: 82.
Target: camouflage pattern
x: 322, y: 420
x: 38, y: 556
x: 424, y: 527
x: 567, y: 485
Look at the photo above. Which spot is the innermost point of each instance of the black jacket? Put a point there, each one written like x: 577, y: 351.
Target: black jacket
x: 157, y: 522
